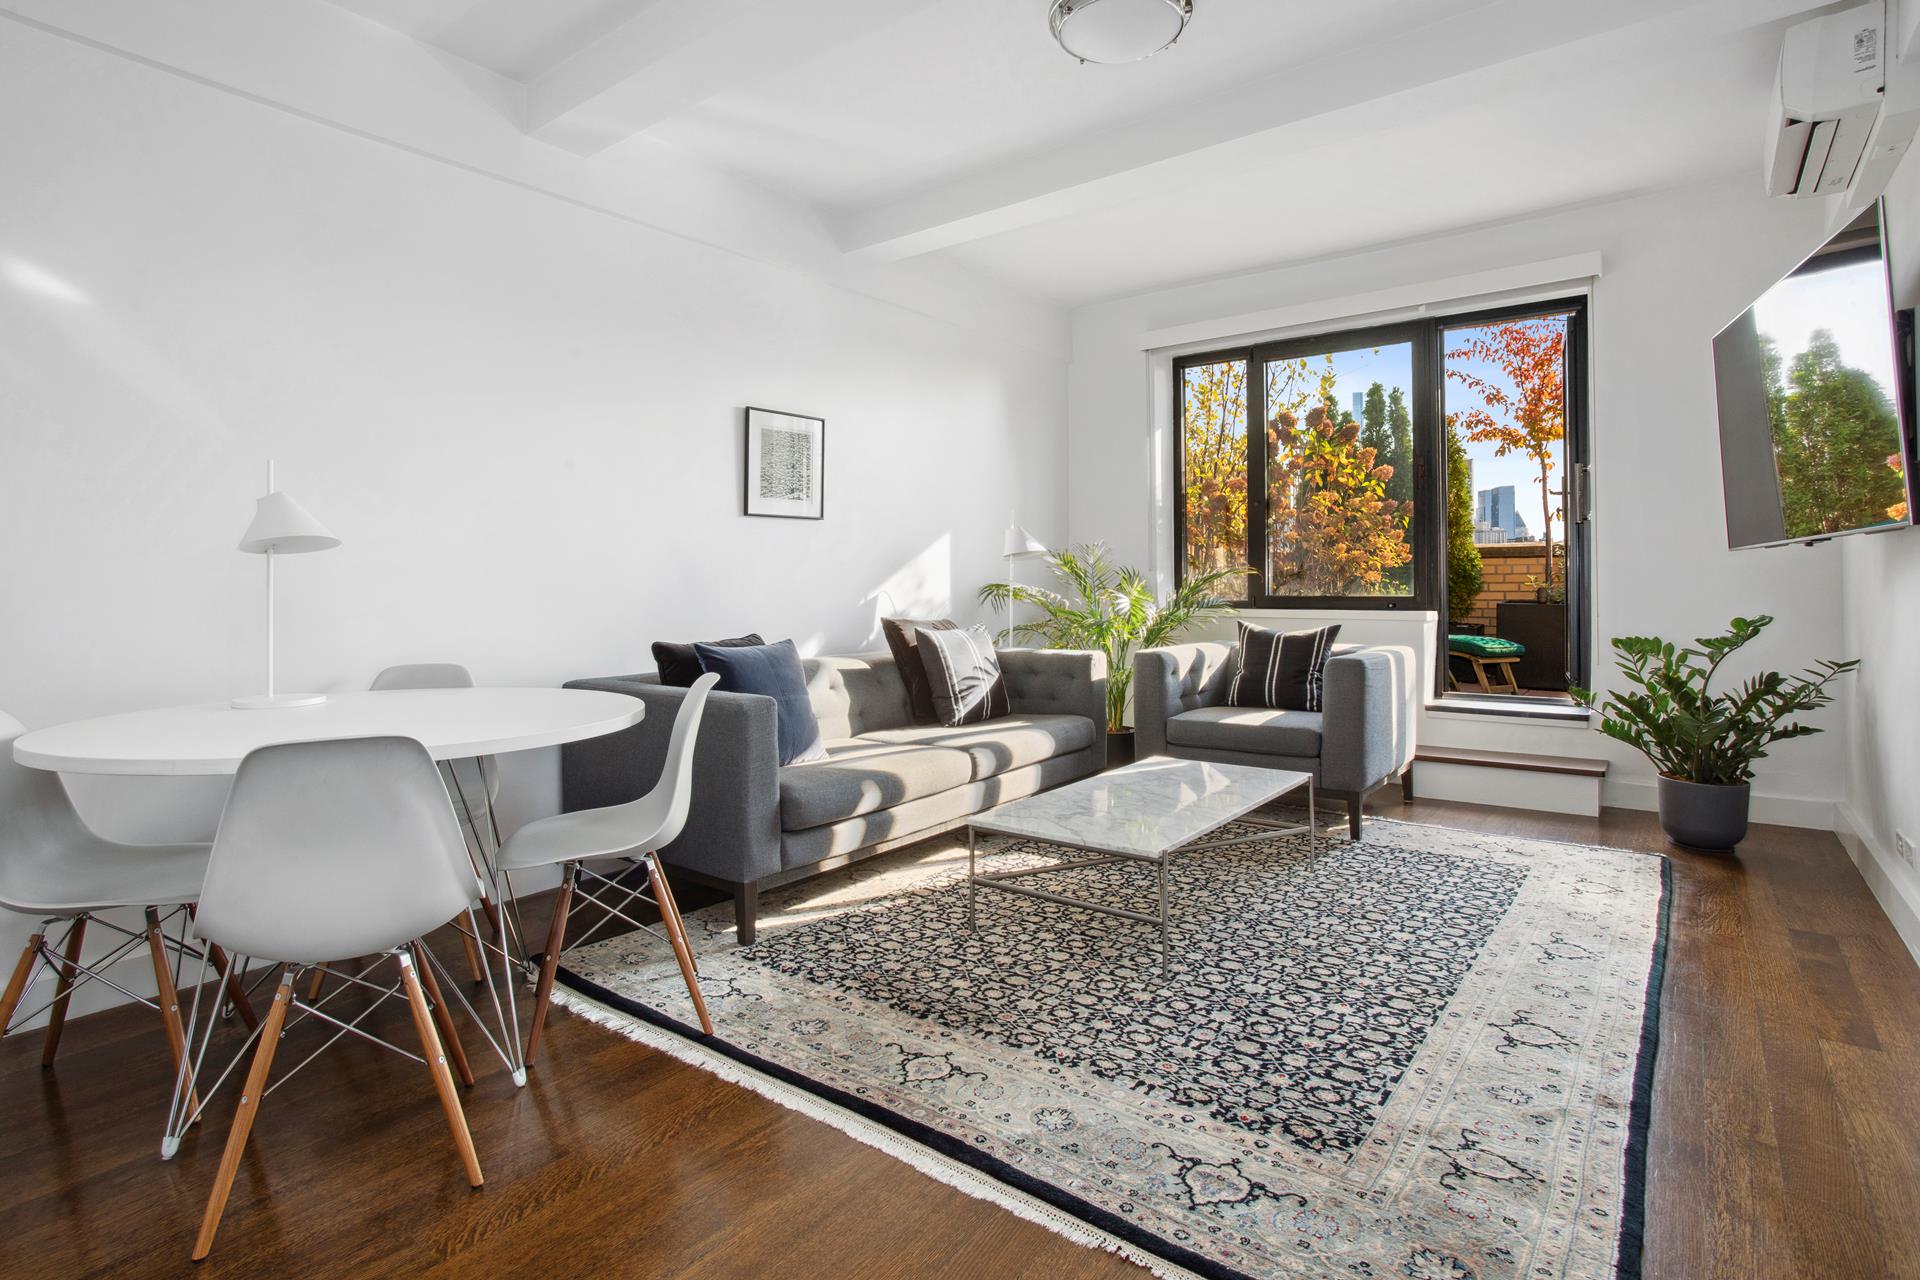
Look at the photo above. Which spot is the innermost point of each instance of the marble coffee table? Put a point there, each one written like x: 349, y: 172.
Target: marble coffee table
x: 1147, y: 812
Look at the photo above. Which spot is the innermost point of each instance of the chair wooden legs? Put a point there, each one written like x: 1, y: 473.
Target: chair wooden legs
x: 236, y: 990
x: 443, y: 1016
x: 437, y: 1063
x: 62, y: 990
x: 475, y: 964
x: 677, y: 935
x: 167, y: 998
x: 556, y: 939
x: 243, y: 1117
x: 17, y: 984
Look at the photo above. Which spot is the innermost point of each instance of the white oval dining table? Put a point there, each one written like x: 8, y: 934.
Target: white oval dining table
x: 453, y: 724
x: 212, y: 737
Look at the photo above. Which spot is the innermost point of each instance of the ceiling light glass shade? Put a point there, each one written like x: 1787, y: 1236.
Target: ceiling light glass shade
x: 1112, y: 31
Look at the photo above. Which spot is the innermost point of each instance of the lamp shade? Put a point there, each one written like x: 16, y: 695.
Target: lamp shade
x: 284, y: 527
x: 1021, y: 543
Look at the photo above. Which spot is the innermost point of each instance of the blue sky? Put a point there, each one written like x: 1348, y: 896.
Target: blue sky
x: 1850, y: 301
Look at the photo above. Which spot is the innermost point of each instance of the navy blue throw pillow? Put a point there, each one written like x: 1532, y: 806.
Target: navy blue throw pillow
x: 772, y: 669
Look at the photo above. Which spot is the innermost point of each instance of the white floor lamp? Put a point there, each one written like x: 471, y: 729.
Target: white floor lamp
x: 281, y: 527
x: 1019, y: 545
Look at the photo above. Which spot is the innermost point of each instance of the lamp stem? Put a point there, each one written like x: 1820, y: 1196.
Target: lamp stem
x: 269, y: 622
x: 1007, y: 642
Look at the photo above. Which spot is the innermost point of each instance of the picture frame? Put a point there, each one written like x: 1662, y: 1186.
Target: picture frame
x: 784, y: 465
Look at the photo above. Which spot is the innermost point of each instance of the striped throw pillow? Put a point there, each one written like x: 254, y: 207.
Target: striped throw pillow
x: 1283, y: 670
x: 963, y: 673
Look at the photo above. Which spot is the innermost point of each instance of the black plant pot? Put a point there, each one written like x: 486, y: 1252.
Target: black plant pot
x: 1703, y: 815
x: 1119, y: 748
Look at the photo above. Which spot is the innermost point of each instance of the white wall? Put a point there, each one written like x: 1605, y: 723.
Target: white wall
x: 1676, y: 266
x: 1882, y: 621
x: 520, y: 413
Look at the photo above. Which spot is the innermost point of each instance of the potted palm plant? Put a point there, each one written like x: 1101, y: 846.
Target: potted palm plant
x: 1101, y: 606
x: 1704, y: 743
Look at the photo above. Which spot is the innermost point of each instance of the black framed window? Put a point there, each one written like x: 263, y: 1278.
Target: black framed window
x: 1423, y: 465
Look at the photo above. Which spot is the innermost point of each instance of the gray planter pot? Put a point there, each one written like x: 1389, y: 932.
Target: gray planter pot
x: 1703, y: 815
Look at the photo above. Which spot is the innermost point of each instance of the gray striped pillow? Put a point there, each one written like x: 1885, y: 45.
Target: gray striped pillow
x: 964, y: 674
x: 1281, y: 669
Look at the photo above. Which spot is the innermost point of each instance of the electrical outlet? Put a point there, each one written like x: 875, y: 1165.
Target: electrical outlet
x: 1903, y: 847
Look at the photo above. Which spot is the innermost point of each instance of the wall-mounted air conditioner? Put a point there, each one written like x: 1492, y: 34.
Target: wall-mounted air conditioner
x: 1827, y: 99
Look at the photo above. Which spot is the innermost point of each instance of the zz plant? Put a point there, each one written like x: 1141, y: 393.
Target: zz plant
x: 1670, y: 713
x: 1110, y: 609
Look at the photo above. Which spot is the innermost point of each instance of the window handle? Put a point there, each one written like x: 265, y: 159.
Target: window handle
x: 1582, y: 476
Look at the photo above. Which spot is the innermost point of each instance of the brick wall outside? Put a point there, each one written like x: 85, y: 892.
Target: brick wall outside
x: 1507, y: 568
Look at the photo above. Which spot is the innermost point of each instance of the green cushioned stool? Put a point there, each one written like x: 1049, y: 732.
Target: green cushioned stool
x: 1486, y: 652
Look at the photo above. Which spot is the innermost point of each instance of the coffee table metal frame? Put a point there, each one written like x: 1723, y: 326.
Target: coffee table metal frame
x: 1161, y: 919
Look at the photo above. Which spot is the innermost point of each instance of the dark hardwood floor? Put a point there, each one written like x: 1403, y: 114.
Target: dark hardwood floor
x: 1786, y: 1138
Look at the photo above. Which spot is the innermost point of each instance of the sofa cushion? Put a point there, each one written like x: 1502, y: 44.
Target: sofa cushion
x: 1010, y: 742
x: 1253, y: 729
x: 679, y: 665
x: 964, y: 674
x: 1281, y: 669
x: 773, y: 670
x: 861, y: 776
x: 902, y: 635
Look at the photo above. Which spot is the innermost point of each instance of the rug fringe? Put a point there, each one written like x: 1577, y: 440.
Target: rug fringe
x: 960, y: 1177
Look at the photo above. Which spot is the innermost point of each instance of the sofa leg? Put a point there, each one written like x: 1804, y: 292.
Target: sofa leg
x: 1353, y: 816
x: 746, y: 912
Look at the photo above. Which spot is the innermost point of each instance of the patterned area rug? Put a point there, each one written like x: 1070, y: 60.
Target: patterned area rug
x: 1425, y: 1056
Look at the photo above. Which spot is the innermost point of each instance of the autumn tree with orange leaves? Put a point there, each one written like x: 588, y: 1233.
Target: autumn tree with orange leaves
x: 1333, y: 530
x: 1214, y: 470
x: 1530, y: 415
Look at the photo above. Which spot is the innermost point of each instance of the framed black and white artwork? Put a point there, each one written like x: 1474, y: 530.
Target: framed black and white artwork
x: 786, y: 456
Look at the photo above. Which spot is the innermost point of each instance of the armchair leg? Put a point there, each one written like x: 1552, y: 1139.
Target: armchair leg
x: 746, y: 912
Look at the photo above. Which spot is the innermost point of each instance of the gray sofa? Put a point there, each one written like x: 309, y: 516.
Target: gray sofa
x: 1361, y: 737
x: 885, y: 782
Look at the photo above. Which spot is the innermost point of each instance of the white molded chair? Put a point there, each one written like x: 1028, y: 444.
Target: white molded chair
x: 632, y: 833
x: 338, y: 848
x: 52, y: 866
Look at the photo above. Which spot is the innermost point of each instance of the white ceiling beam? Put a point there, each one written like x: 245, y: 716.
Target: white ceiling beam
x: 1308, y: 104
x: 678, y: 53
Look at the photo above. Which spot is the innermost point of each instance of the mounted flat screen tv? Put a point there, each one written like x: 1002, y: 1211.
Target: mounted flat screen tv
x: 1815, y: 384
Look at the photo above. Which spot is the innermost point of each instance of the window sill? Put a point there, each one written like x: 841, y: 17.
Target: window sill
x: 1512, y: 708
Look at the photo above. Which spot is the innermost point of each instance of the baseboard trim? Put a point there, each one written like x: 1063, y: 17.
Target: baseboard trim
x: 1882, y: 873
x: 1810, y: 812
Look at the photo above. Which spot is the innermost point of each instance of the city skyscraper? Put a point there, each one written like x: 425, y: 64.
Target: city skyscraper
x: 1359, y: 407
x: 1498, y: 519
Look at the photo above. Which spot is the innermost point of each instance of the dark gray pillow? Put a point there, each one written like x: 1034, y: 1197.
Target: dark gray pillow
x: 963, y: 673
x: 901, y: 634
x: 679, y: 665
x: 1283, y: 670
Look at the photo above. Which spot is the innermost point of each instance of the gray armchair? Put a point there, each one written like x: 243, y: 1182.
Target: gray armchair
x: 1361, y: 737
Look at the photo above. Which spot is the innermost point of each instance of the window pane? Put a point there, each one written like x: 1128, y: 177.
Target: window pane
x: 1506, y: 415
x: 1340, y: 439
x: 1213, y: 432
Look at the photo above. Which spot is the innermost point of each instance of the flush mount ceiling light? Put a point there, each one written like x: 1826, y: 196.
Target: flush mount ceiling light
x: 1118, y: 30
